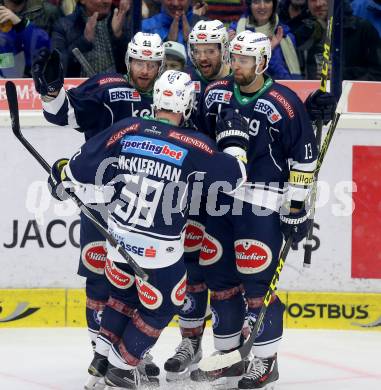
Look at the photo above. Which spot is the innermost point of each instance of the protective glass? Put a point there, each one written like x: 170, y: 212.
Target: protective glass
x: 242, y: 61
x: 140, y: 65
x: 208, y: 53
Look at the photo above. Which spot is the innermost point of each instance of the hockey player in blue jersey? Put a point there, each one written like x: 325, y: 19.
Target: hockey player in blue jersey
x: 208, y: 49
x: 148, y: 168
x: 240, y: 249
x: 91, y: 107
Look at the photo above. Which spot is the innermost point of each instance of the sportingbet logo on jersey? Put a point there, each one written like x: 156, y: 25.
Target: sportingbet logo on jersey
x: 125, y: 94
x: 218, y: 96
x: 154, y: 148
x: 266, y: 107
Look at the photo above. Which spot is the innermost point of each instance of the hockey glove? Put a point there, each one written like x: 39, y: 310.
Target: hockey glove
x: 232, y: 134
x: 47, y: 72
x: 57, y: 176
x: 295, y: 224
x: 321, y: 106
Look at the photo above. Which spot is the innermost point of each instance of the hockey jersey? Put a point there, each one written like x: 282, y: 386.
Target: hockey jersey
x: 97, y: 103
x: 200, y: 83
x: 152, y: 168
x: 282, y: 152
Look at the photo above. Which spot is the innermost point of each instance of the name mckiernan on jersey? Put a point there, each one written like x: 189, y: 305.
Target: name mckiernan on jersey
x: 154, y: 168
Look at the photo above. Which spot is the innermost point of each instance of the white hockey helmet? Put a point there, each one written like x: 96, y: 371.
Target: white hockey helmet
x: 147, y: 47
x: 253, y: 44
x: 209, y: 31
x: 174, y: 91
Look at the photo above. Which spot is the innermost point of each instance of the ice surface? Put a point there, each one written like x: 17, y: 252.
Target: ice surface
x: 57, y: 359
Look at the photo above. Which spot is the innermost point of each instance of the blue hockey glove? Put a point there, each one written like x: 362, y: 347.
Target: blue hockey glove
x: 295, y: 224
x: 321, y: 106
x: 232, y: 130
x: 47, y: 72
x: 57, y: 176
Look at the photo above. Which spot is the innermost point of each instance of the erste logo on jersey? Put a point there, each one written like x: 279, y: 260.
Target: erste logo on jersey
x: 124, y: 94
x: 154, y: 148
x: 266, y: 107
x: 140, y: 250
x: 218, y: 96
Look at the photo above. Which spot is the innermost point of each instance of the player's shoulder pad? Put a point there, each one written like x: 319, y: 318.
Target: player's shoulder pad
x: 122, y: 128
x: 192, y: 139
x: 284, y: 99
x: 225, y: 83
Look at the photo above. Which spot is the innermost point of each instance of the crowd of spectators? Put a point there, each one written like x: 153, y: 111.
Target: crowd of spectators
x: 101, y: 29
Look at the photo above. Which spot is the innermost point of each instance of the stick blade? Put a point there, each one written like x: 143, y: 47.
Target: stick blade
x: 10, y: 89
x: 216, y: 362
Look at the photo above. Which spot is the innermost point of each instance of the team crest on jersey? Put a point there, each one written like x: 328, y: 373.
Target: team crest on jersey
x: 179, y: 291
x: 218, y: 96
x: 266, y: 107
x: 211, y: 250
x: 194, y: 234
x: 154, y: 148
x: 189, y: 304
x: 149, y: 296
x: 93, y: 256
x: 124, y: 94
x: 252, y: 256
x: 116, y: 276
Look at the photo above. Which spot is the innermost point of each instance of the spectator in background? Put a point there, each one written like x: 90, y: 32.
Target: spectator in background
x: 19, y: 39
x: 292, y: 13
x: 226, y: 11
x: 175, y: 56
x: 305, y: 28
x: 369, y: 10
x: 40, y: 12
x: 99, y: 32
x: 67, y: 6
x: 361, y: 45
x: 150, y: 8
x: 175, y: 20
x: 262, y: 17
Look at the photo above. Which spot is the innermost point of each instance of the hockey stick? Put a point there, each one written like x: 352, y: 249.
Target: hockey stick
x: 14, y: 114
x: 319, y: 130
x: 216, y: 362
x: 83, y: 61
